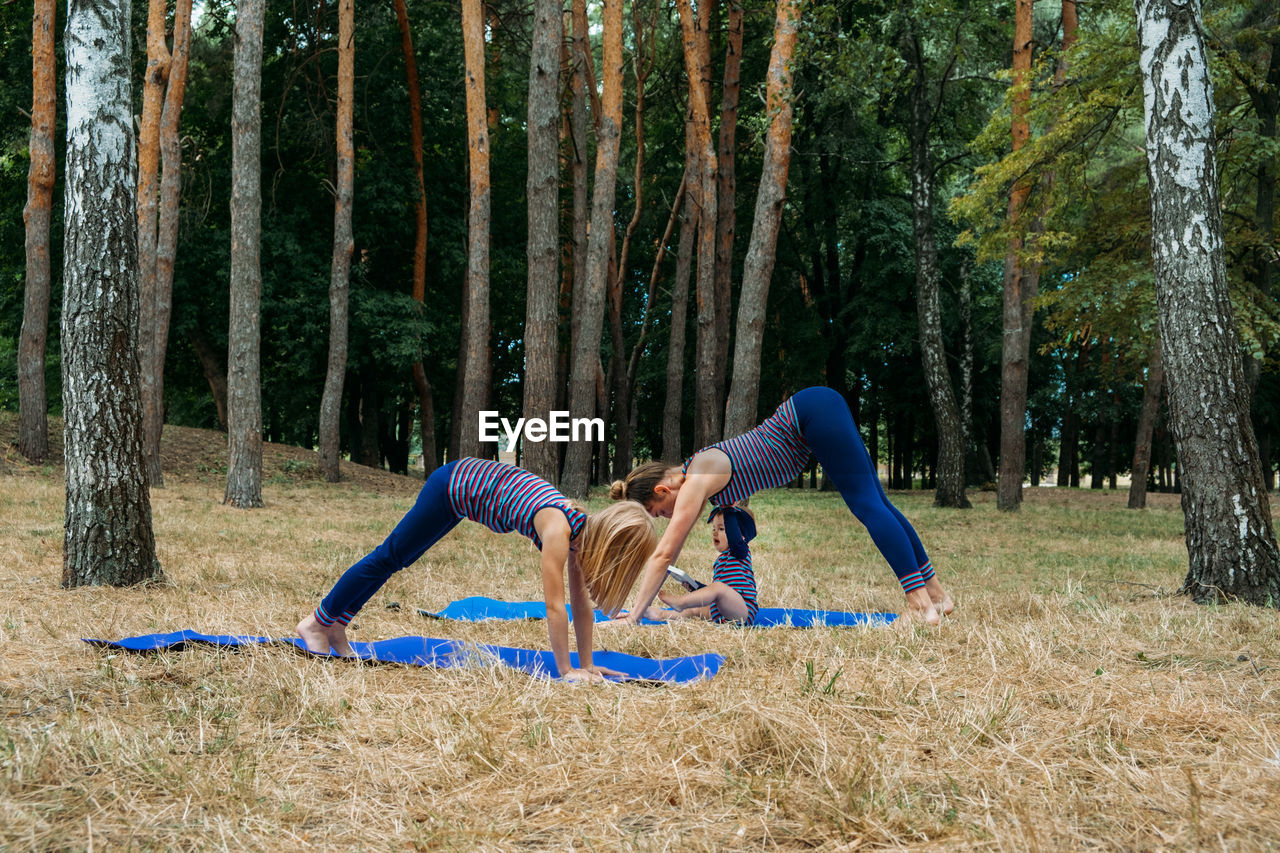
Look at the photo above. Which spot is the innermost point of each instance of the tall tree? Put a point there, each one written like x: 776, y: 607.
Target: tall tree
x: 108, y: 538
x: 1146, y: 426
x: 620, y: 364
x: 244, y: 343
x: 426, y: 394
x: 343, y: 246
x: 926, y: 98
x: 474, y: 362
x: 586, y: 354
x: 673, y: 403
x: 708, y: 411
x: 757, y: 270
x: 1019, y: 289
x: 154, y: 80
x: 727, y: 193
x: 166, y: 242
x: 1230, y: 541
x: 33, y: 418
x: 542, y: 312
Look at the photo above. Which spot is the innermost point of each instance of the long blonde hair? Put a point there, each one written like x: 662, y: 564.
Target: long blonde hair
x: 640, y: 483
x: 612, y: 549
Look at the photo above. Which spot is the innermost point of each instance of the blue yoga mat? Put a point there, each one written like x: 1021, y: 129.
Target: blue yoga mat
x: 424, y: 651
x: 478, y: 608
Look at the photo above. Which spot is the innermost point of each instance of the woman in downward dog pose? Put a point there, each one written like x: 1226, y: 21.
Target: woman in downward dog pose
x: 814, y: 421
x: 600, y: 555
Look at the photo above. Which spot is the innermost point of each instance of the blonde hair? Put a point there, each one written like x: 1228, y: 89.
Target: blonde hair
x: 639, y: 484
x: 612, y: 549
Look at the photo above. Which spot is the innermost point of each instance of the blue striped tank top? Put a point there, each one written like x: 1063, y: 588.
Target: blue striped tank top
x: 736, y: 573
x: 771, y: 455
x: 505, y: 498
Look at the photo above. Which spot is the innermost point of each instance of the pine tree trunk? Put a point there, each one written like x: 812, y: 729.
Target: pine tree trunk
x: 33, y: 406
x: 1146, y: 426
x: 646, y: 322
x: 946, y: 412
x: 1019, y: 291
x: 475, y: 371
x: 426, y: 425
x: 586, y: 354
x: 214, y: 373
x: 757, y: 270
x: 673, y: 406
x: 1230, y: 540
x: 542, y: 313
x: 726, y: 195
x: 154, y: 80
x: 624, y: 367
x: 343, y: 246
x: 707, y: 407
x: 108, y: 533
x: 244, y: 371
x: 166, y: 236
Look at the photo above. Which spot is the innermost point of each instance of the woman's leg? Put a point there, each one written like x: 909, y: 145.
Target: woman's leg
x: 828, y: 428
x: 427, y: 521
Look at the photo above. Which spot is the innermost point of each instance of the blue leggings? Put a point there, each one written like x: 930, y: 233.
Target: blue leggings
x: 430, y: 518
x: 827, y: 426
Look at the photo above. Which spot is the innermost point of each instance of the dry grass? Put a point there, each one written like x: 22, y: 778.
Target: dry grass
x: 1071, y: 702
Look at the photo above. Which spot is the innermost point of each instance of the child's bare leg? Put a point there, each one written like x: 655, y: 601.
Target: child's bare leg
x: 727, y: 599
x: 320, y: 638
x: 939, y: 596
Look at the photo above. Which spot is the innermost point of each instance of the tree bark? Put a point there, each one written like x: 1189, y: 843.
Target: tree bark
x: 244, y: 347
x: 166, y: 240
x: 707, y: 408
x: 726, y: 194
x: 33, y: 406
x: 154, y: 80
x: 108, y: 534
x: 673, y: 406
x: 426, y: 425
x: 542, y: 313
x: 343, y: 246
x: 633, y: 364
x: 623, y: 373
x: 1230, y: 541
x: 946, y: 411
x: 1018, y: 292
x: 757, y: 270
x: 214, y: 373
x: 586, y: 354
x: 475, y: 371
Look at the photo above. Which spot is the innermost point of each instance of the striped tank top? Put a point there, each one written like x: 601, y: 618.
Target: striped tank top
x: 505, y: 498
x: 771, y: 455
x: 736, y: 573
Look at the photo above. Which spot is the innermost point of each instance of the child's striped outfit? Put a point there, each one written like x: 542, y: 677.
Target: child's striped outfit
x: 736, y: 572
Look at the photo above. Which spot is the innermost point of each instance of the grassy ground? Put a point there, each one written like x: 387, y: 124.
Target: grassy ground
x: 1072, y: 702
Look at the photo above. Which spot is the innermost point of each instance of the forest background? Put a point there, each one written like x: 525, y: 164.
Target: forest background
x: 842, y: 309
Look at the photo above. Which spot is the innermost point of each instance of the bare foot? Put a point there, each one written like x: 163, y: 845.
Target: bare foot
x: 922, y: 606
x: 939, y: 596
x: 320, y: 638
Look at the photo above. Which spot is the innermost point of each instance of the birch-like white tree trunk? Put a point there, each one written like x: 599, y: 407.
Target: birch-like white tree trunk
x: 108, y: 534
x: 1230, y: 541
x: 244, y: 349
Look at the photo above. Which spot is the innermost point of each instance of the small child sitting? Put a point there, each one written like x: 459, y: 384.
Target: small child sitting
x: 731, y: 595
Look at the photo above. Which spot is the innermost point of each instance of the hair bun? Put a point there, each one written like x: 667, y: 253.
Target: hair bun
x: 617, y: 490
